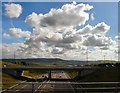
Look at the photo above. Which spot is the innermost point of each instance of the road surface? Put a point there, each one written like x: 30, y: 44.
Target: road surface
x: 43, y: 87
x: 52, y: 86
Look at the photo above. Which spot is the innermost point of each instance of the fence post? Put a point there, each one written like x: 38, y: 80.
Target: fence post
x: 33, y: 88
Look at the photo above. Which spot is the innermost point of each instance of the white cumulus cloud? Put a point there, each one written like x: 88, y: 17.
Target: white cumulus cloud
x: 100, y: 28
x: 56, y: 34
x: 58, y: 51
x: 13, y: 10
x: 95, y: 40
x: 19, y: 33
x: 66, y: 16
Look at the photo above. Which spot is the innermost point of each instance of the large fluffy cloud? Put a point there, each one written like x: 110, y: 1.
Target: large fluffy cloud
x: 8, y: 50
x: 67, y: 15
x: 56, y: 34
x: 70, y: 39
x: 21, y: 50
x: 95, y: 40
x: 100, y: 28
x: 13, y: 10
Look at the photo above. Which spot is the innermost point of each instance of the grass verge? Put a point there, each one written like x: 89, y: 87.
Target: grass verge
x: 8, y: 78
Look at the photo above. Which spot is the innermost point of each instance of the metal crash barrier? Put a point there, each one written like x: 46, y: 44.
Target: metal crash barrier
x: 58, y: 87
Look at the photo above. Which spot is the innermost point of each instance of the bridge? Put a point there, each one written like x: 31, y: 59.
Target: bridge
x: 58, y: 68
x: 84, y: 70
x: 58, y: 86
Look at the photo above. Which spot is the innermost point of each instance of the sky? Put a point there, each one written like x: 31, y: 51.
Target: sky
x: 61, y: 0
x: 67, y: 30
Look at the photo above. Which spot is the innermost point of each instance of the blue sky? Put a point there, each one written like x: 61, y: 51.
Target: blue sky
x: 103, y: 12
x: 48, y: 41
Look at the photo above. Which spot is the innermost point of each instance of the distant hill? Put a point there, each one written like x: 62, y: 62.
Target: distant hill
x: 35, y: 60
x: 48, y: 60
x: 53, y: 60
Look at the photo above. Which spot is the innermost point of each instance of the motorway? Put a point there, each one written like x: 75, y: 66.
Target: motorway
x: 48, y: 86
x: 45, y: 86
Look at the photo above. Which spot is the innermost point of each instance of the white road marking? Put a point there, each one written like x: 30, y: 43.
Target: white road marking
x: 24, y: 86
x: 20, y: 88
x: 40, y: 86
x: 13, y: 86
x: 43, y: 86
x: 81, y: 89
x: 46, y: 84
x: 69, y: 82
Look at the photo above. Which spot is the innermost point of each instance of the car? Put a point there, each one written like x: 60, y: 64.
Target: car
x: 107, y: 66
x: 51, y: 85
x: 42, y: 75
x: 4, y: 65
x: 60, y: 76
x: 113, y: 66
x: 45, y: 77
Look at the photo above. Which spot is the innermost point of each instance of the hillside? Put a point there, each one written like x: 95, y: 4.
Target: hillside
x: 57, y: 60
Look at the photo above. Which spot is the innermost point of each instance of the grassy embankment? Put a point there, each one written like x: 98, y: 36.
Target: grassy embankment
x: 101, y: 75
x: 28, y: 73
x: 72, y: 74
x: 8, y: 78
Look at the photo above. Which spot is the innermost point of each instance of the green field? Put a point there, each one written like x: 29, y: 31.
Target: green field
x: 10, y: 64
x: 33, y: 73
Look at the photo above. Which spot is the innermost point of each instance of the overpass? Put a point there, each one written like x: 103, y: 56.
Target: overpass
x: 58, y: 68
x: 84, y: 69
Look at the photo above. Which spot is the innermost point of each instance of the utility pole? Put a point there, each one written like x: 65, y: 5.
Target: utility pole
x: 14, y: 54
x: 104, y: 58
x: 87, y: 55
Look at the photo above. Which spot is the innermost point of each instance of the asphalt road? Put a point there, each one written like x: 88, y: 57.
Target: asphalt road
x: 43, y: 87
x: 51, y: 86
